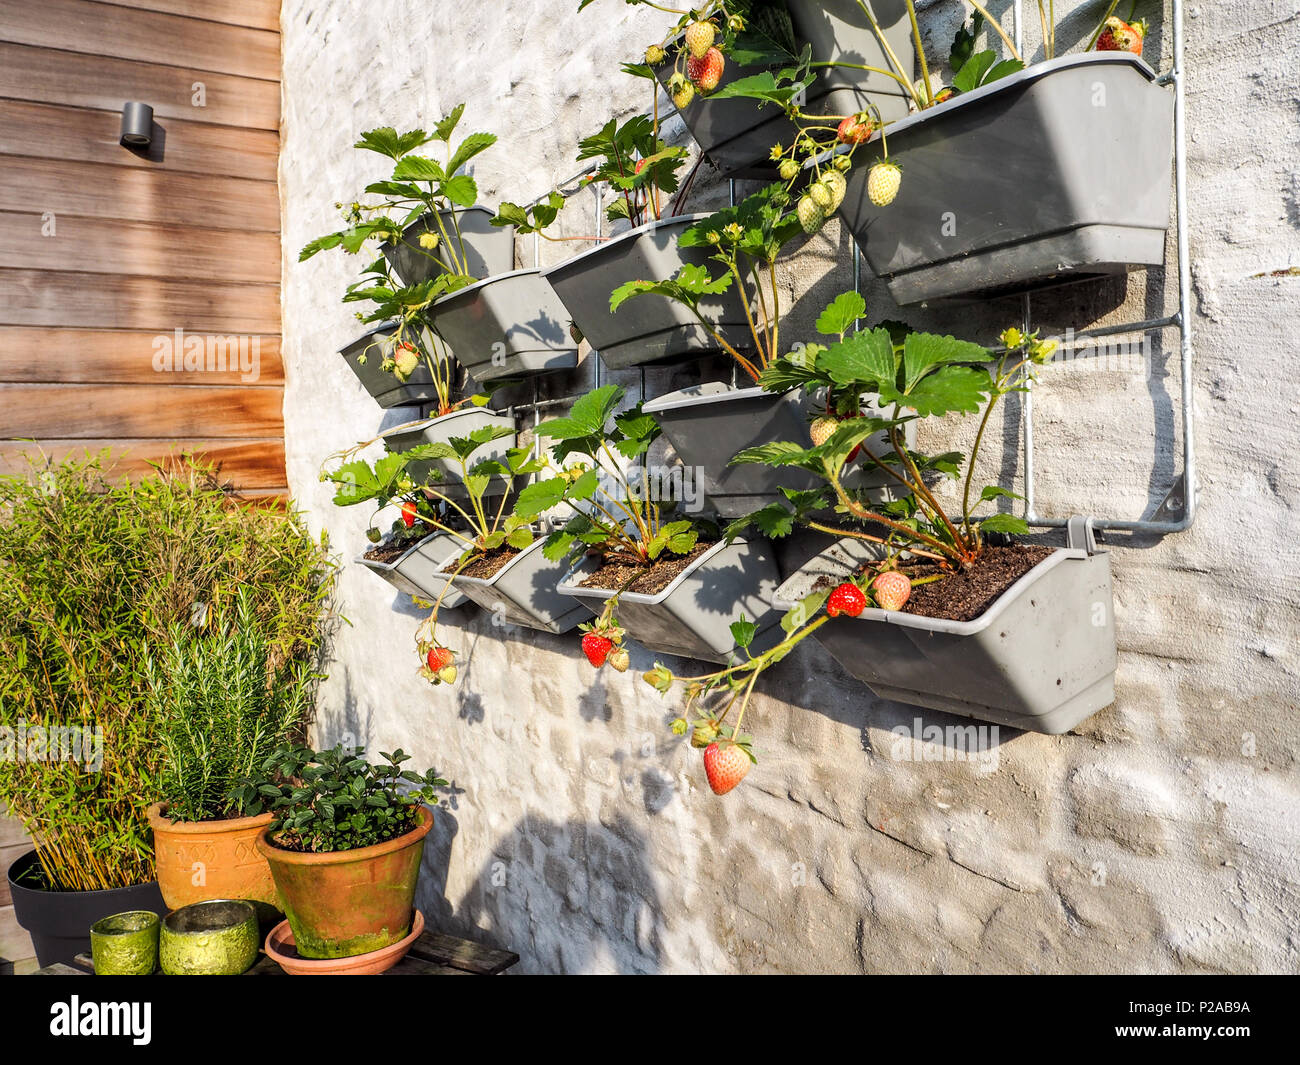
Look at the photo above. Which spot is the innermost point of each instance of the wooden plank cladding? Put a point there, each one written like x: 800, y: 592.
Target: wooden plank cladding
x: 44, y: 75
x: 89, y: 27
x: 124, y: 357
x: 255, y: 464
x: 139, y: 289
x: 78, y: 135
x: 95, y: 191
x: 129, y: 412
x: 257, y: 14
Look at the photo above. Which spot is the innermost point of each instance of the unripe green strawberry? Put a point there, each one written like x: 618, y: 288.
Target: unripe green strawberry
x: 821, y: 430
x: 619, y: 660
x: 811, y: 216
x: 842, y: 163
x: 789, y: 170
x: 821, y: 196
x: 654, y: 55
x: 699, y: 37
x: 883, y: 181
x: 683, y: 92
x: 834, y: 182
x: 703, y: 734
x: 374, y: 535
x: 405, y: 359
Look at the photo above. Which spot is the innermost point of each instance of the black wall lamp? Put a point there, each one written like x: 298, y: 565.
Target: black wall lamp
x: 137, y: 125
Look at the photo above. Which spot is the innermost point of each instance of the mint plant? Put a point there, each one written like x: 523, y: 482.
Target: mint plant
x: 329, y: 801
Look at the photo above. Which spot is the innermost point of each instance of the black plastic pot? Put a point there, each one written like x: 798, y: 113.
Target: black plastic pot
x: 59, y: 921
x: 365, y: 358
x: 738, y: 135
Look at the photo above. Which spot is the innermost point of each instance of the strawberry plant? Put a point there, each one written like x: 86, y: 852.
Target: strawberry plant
x: 614, y: 513
x: 908, y: 376
x: 423, y: 189
x: 476, y: 522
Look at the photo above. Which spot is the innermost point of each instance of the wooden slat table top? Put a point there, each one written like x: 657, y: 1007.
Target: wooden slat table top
x: 433, y: 954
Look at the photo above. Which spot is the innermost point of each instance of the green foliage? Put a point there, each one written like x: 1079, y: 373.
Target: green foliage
x: 95, y: 575
x: 334, y: 800
x: 222, y: 709
x: 983, y: 69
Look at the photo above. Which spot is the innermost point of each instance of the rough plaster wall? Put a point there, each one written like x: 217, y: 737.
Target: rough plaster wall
x: 1154, y: 838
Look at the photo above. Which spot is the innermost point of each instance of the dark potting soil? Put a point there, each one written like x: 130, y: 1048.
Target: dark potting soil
x: 964, y: 596
x: 396, y: 546
x: 626, y: 576
x: 487, y: 565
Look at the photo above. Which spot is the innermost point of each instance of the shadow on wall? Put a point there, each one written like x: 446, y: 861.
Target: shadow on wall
x: 568, y: 897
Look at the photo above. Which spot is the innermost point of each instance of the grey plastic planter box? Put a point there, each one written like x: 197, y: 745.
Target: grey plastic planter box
x: 692, y: 617
x: 459, y: 423
x: 525, y: 592
x: 417, y: 572
x: 1061, y: 172
x: 387, y: 390
x: 709, y: 424
x: 647, y: 329
x: 511, y: 325
x: 489, y: 249
x: 1042, y: 657
x: 738, y: 135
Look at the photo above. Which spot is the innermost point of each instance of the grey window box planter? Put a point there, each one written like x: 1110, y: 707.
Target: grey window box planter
x: 709, y: 424
x: 489, y: 249
x: 1041, y: 658
x: 647, y: 329
x: 738, y: 135
x: 511, y: 325
x: 459, y: 423
x: 418, y: 573
x: 692, y: 617
x: 525, y: 591
x: 386, y: 388
x: 1061, y: 172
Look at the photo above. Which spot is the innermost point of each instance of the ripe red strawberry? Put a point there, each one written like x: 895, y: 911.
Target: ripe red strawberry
x: 408, y: 513
x: 699, y: 37
x: 846, y: 599
x: 706, y: 71
x: 596, y: 647
x: 725, y: 766
x: 1119, y: 36
x: 891, y: 589
x: 856, y: 129
x: 438, y: 658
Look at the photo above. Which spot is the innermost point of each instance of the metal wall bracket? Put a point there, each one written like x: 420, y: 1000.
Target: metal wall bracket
x: 1080, y: 535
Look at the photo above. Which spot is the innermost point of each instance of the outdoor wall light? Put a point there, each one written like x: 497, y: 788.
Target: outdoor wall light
x: 137, y: 125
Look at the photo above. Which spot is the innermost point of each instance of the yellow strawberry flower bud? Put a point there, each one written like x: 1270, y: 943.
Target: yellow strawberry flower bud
x: 777, y: 152
x: 1012, y: 338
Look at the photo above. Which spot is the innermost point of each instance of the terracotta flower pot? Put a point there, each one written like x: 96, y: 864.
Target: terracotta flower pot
x: 281, y: 949
x: 343, y: 903
x: 222, y: 856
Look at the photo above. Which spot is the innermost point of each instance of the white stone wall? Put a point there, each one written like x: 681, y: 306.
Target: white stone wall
x: 1163, y: 835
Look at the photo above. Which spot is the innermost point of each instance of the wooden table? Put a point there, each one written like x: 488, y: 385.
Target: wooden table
x: 433, y: 954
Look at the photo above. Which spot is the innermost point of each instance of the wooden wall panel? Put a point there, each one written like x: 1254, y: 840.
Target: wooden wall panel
x: 33, y: 297
x: 247, y: 463
x: 97, y: 246
x: 131, y: 412
x: 259, y: 14
x: 101, y: 356
x: 47, y: 76
x: 95, y: 191
x: 106, y: 252
x: 149, y: 36
x: 79, y: 135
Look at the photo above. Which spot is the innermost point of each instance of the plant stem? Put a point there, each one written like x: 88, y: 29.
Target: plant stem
x: 1011, y: 45
x: 920, y: 54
